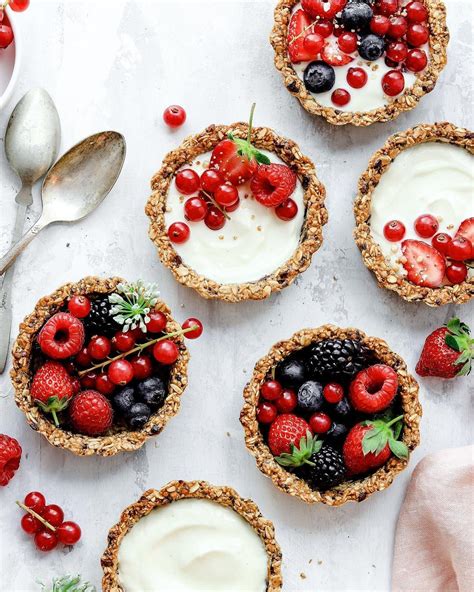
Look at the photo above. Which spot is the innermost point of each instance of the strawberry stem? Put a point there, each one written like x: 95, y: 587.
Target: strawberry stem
x: 36, y: 515
x: 249, y: 133
x: 394, y: 420
x: 55, y: 417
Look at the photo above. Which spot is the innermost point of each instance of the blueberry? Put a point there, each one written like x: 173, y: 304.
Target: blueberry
x: 123, y: 400
x: 356, y: 16
x: 152, y: 391
x: 310, y: 396
x: 343, y: 409
x: 290, y: 373
x: 138, y: 415
x: 371, y: 47
x: 319, y: 77
x: 336, y: 433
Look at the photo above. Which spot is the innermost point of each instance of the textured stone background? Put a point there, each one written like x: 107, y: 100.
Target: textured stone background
x: 116, y: 65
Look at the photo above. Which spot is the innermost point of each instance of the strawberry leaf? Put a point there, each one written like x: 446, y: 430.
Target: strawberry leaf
x: 452, y: 342
x: 301, y: 455
x: 262, y: 158
x: 399, y: 449
x: 459, y: 339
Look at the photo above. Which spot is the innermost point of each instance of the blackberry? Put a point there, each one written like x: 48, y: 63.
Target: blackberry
x: 99, y: 321
x: 328, y: 469
x: 340, y: 359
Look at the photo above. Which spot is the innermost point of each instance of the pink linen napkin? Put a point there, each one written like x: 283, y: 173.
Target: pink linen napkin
x: 434, y: 541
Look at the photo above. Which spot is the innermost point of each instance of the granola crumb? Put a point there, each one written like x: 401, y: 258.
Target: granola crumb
x: 303, y: 576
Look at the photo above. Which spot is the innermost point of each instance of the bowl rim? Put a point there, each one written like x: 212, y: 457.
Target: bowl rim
x: 18, y: 41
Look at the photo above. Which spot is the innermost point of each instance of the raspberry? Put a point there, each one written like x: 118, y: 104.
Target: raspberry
x: 373, y: 389
x: 272, y: 184
x: 10, y: 456
x: 91, y: 413
x: 52, y: 388
x: 62, y: 336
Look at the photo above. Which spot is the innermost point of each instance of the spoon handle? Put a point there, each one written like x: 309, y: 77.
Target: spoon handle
x: 18, y: 248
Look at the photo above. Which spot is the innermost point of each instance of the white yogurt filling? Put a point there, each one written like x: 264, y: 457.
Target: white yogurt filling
x: 191, y: 545
x: 432, y: 178
x: 253, y: 243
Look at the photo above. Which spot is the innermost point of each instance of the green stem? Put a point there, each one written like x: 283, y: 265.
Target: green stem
x: 252, y: 111
x: 36, y: 515
x: 55, y: 418
x: 213, y: 201
x: 394, y: 421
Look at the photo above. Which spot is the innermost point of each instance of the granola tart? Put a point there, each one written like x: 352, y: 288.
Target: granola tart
x: 319, y: 354
x: 375, y: 72
x: 117, y: 437
x: 295, y: 240
x: 447, y: 150
x: 226, y: 497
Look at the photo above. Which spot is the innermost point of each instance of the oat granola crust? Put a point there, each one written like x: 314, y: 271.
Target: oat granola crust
x: 177, y: 490
x: 425, y: 83
x: 371, y: 252
x: 352, y: 490
x: 118, y: 439
x: 311, y: 235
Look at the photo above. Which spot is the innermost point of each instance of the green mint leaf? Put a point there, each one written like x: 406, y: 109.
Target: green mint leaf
x: 399, y: 449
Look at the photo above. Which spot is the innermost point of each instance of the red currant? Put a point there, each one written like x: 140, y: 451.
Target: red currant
x: 166, y: 352
x: 79, y: 306
x: 397, y: 51
x: 211, y: 180
x: 6, y: 36
x: 35, y: 501
x: 340, y: 97
x: 53, y: 514
x: 416, y: 12
x: 195, y: 209
x: 30, y: 524
x: 379, y: 24
x: 69, y: 533
x: 88, y: 380
x: 271, y: 390
x: 46, y: 540
x: 76, y: 385
x: 388, y: 7
x: 19, y: 5
x: 178, y: 232
x: 233, y: 206
x: 441, y: 242
x: 394, y: 231
x: 333, y: 392
x: 323, y: 28
x: 417, y: 34
x: 99, y: 348
x: 459, y: 249
x: 123, y: 342
x: 104, y: 385
x: 226, y: 195
x: 356, y: 77
x: 398, y: 27
x: 83, y: 358
x: 314, y: 42
x: 187, y: 181
x: 416, y: 60
x: 426, y: 225
x: 215, y: 219
x: 347, y: 41
x: 120, y: 372
x: 393, y: 83
x: 456, y: 272
x: 174, y: 116
x: 157, y: 322
x: 287, y: 210
x: 142, y: 367
x: 320, y: 423
x: 266, y: 412
x: 287, y: 402
x: 195, y: 333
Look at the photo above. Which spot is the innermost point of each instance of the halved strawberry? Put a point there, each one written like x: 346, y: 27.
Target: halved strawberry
x: 332, y: 55
x: 425, y: 265
x: 298, y: 53
x: 466, y: 230
x: 323, y: 8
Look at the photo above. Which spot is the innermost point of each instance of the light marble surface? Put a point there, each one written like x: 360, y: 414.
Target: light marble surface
x: 117, y: 65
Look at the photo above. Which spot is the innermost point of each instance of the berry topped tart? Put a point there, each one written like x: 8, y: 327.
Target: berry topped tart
x: 415, y: 217
x: 100, y: 365
x: 359, y: 61
x: 192, y: 536
x: 237, y: 212
x: 331, y: 415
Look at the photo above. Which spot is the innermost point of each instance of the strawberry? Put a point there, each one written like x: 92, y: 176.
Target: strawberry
x: 371, y: 443
x: 466, y: 230
x: 323, y: 8
x: 332, y: 55
x: 425, y: 265
x: 237, y: 159
x: 301, y: 454
x: 10, y: 456
x: 447, y: 352
x: 373, y: 389
x: 91, y: 413
x: 273, y: 184
x: 285, y: 431
x: 52, y: 389
x: 300, y: 22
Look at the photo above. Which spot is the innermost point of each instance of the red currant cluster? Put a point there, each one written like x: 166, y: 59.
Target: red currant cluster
x: 47, y: 523
x: 6, y: 32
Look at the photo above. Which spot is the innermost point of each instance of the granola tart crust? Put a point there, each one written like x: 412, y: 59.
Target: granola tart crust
x: 176, y: 490
x: 287, y: 482
x: 439, y: 37
x: 311, y: 234
x: 118, y: 439
x: 371, y: 253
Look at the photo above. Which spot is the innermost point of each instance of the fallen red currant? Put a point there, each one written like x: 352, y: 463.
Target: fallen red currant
x: 287, y: 402
x: 211, y: 180
x: 79, y: 306
x: 266, y: 412
x: 99, y: 347
x: 157, y: 322
x: 46, y: 540
x: 53, y: 514
x: 456, y: 272
x: 394, y: 231
x: 120, y: 372
x: 68, y: 533
x: 187, y: 181
x: 356, y: 77
x: 440, y: 242
x: 195, y: 209
x: 166, y: 352
x: 19, y: 5
x: 35, y: 501
x: 287, y: 210
x: 195, y: 333
x: 271, y: 390
x: 340, y: 97
x: 178, y: 232
x: 393, y: 83
x: 215, y: 219
x: 459, y: 249
x: 30, y: 524
x: 174, y: 116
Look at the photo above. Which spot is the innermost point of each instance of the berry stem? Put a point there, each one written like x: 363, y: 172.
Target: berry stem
x: 138, y: 348
x: 55, y: 418
x: 214, y: 202
x: 249, y: 133
x: 36, y: 515
x: 303, y: 31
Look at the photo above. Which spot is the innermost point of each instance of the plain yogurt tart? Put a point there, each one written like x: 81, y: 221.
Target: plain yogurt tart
x: 192, y: 536
x: 415, y: 214
x: 237, y: 212
x: 359, y: 61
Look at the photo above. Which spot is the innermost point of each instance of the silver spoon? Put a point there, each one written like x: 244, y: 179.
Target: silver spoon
x: 31, y: 146
x: 76, y: 185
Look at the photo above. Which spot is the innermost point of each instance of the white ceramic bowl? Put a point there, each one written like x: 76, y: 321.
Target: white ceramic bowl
x: 10, y: 61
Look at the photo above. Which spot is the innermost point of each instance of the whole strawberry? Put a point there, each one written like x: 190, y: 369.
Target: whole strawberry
x: 370, y: 444
x: 91, y: 413
x: 447, y: 352
x: 10, y: 456
x: 286, y: 431
x: 52, y: 389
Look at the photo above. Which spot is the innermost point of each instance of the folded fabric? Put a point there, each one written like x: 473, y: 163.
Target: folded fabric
x: 434, y: 541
